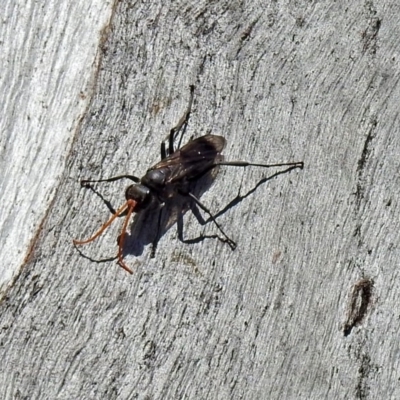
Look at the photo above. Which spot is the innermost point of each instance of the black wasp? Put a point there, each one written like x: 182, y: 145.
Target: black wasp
x: 176, y: 173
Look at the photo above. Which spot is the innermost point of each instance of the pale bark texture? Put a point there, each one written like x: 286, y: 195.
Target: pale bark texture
x: 307, y: 305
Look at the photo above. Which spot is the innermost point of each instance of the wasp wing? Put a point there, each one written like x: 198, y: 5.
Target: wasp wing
x: 194, y: 159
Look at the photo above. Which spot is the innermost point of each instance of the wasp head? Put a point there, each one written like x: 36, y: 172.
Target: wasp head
x: 140, y: 194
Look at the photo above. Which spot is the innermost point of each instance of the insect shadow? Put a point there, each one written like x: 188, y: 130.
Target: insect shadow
x: 172, y: 186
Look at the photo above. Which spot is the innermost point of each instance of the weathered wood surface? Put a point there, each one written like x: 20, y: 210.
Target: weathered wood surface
x: 49, y: 55
x: 304, y: 81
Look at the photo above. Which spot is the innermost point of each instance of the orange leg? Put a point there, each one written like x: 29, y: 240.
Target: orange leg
x: 104, y: 227
x: 131, y: 205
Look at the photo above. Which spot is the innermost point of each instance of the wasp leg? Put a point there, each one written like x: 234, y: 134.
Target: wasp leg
x: 298, y: 164
x: 158, y: 234
x: 227, y: 239
x: 86, y: 182
x: 180, y: 127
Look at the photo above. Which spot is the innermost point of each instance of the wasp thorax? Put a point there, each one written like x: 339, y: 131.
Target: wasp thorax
x: 154, y: 178
x: 139, y: 193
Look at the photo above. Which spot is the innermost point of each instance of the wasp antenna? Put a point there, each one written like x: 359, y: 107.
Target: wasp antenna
x: 131, y: 205
x: 104, y: 227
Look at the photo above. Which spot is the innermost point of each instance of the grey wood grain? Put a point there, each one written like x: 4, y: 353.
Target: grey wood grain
x: 48, y: 58
x: 284, y: 315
